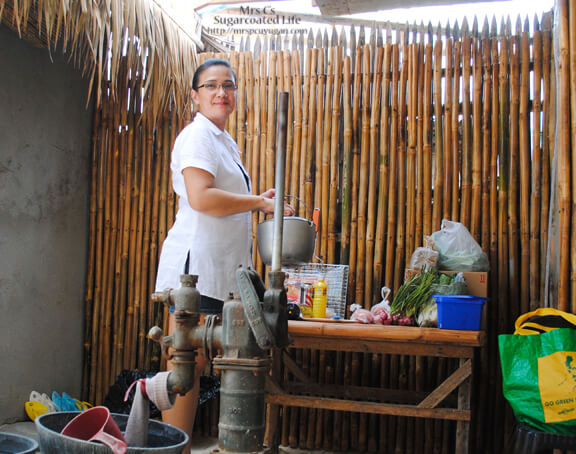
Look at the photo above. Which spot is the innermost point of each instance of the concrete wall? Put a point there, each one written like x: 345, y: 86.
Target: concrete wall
x: 45, y: 136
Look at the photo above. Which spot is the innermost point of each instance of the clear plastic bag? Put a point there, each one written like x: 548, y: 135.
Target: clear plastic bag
x: 451, y: 285
x: 360, y: 314
x: 384, y: 305
x: 424, y: 257
x: 457, y: 249
x: 381, y: 311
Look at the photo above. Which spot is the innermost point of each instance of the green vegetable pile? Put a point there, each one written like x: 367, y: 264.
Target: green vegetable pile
x: 416, y: 292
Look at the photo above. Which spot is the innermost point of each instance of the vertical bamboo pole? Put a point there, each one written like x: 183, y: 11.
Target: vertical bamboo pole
x: 356, y: 94
x: 288, y: 85
x: 466, y: 155
x: 363, y: 179
x: 525, y: 170
x: 486, y: 127
x: 392, y: 183
x: 535, y: 189
x: 149, y: 190
x: 427, y: 161
x: 128, y: 352
x: 419, y: 218
x: 297, y: 107
x: 308, y: 80
x: 572, y: 60
x: 547, y: 108
x: 346, y: 195
x: 262, y: 158
x: 259, y: 125
x: 334, y: 156
x: 241, y: 110
x: 503, y: 159
x: 439, y: 189
x: 401, y: 216
x: 232, y: 123
x: 457, y: 153
x: 449, y: 81
x: 247, y: 127
x: 564, y: 157
x: 323, y: 154
x: 477, y: 149
x: 383, y: 168
x: 411, y: 150
x: 140, y: 282
x: 373, y: 182
x: 514, y: 152
x: 111, y: 227
x: 316, y: 171
x: 316, y: 106
x: 270, y: 119
x: 494, y: 153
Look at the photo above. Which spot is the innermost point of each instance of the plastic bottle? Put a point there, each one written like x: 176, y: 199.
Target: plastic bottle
x: 319, y: 301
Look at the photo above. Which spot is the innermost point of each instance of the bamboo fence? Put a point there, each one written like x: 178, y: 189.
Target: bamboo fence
x: 390, y: 131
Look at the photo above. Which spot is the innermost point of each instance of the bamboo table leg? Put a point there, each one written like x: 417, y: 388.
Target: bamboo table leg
x: 463, y: 427
x: 272, y: 436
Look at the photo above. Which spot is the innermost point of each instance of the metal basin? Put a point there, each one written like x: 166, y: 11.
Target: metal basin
x: 16, y: 444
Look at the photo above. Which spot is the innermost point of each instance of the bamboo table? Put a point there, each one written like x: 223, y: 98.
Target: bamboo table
x: 396, y: 340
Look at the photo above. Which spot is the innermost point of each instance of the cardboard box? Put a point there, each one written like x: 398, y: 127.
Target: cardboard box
x: 476, y: 281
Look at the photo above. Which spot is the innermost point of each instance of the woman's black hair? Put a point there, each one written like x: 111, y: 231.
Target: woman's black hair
x: 207, y: 64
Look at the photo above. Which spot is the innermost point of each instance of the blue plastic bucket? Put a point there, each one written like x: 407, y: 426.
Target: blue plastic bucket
x: 459, y: 311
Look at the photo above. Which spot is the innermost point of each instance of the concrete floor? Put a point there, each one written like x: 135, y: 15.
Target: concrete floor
x: 200, y: 445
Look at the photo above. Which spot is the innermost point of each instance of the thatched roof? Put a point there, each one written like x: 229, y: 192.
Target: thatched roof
x: 113, y: 41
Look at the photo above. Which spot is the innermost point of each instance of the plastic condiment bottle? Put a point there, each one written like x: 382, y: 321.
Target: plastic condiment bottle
x: 319, y: 301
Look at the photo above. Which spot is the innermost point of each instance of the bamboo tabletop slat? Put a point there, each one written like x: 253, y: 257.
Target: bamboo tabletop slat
x: 347, y: 331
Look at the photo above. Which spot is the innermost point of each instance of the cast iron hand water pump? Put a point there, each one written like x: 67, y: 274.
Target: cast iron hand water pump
x: 249, y: 327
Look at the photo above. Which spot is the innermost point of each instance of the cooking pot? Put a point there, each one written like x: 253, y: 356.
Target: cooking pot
x: 298, y: 240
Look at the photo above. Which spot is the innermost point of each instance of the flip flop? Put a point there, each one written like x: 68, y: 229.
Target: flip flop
x: 62, y: 403
x: 83, y: 405
x: 35, y: 409
x: 45, y: 400
x: 70, y: 403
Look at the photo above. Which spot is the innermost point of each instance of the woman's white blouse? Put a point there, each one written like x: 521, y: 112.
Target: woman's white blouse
x: 217, y: 245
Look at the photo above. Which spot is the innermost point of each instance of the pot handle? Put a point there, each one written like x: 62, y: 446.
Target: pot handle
x: 308, y: 210
x: 316, y: 218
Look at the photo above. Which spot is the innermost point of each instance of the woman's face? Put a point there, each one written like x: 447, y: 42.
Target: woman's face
x: 214, y: 101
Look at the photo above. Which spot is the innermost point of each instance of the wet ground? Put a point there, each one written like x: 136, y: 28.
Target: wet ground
x: 200, y: 445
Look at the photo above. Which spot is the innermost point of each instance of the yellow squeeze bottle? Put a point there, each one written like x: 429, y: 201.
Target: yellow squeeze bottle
x: 319, y: 301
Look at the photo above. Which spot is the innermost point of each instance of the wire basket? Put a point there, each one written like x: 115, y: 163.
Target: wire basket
x: 335, y: 276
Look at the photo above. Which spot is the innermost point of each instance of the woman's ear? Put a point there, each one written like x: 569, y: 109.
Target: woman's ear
x: 195, y: 98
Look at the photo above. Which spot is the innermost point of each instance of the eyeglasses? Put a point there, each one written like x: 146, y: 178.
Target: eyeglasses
x: 212, y: 86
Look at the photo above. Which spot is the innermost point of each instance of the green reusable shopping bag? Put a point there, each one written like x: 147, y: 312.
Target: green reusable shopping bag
x: 539, y: 378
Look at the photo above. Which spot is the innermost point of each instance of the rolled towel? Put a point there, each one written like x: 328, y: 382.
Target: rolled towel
x: 157, y: 390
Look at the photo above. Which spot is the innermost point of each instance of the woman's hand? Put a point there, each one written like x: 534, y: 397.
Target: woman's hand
x: 269, y: 197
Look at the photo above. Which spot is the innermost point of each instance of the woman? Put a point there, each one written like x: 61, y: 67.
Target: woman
x: 212, y: 234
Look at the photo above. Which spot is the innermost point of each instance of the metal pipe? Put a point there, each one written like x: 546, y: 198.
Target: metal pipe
x: 280, y: 171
